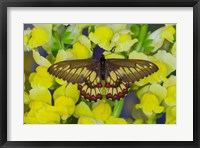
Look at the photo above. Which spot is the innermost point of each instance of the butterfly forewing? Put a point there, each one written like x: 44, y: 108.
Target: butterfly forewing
x: 120, y: 73
x: 74, y: 71
x: 84, y: 72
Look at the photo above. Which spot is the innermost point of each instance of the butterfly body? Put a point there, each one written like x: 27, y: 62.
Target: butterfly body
x: 102, y: 62
x: 118, y: 74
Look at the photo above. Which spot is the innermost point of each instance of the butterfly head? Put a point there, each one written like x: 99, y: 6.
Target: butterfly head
x: 102, y: 58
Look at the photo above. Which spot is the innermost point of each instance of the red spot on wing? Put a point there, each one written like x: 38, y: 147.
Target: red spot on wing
x: 121, y: 95
x: 109, y: 96
x: 127, y: 84
x: 107, y: 85
x: 93, y: 97
x: 125, y: 91
x: 87, y: 96
x: 99, y: 96
x: 99, y: 85
x: 115, y: 97
x: 117, y: 85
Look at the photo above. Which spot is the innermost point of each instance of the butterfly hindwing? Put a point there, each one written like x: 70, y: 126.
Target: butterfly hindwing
x: 86, y: 73
x: 120, y: 73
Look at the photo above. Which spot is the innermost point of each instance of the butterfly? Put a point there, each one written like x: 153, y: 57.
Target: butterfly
x: 118, y: 74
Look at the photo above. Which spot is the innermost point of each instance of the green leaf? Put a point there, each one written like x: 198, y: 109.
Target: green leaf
x: 72, y: 120
x: 147, y: 43
x: 148, y: 50
x: 141, y: 37
x: 136, y: 30
x: 91, y: 29
x: 66, y: 37
x: 56, y: 44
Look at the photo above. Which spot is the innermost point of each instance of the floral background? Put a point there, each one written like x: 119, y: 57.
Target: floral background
x: 49, y: 100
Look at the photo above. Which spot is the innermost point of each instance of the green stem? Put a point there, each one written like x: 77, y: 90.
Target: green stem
x: 141, y: 37
x: 118, y: 108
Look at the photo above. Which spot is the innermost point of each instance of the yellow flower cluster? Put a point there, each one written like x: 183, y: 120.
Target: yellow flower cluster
x: 108, y: 37
x: 50, y: 100
x: 157, y: 93
x: 100, y: 114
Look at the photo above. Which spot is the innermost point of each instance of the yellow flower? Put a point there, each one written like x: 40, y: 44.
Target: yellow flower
x: 156, y: 89
x: 117, y: 27
x: 41, y: 78
x: 82, y: 26
x: 40, y: 94
x: 138, y: 121
x: 123, y: 41
x: 102, y: 111
x: 150, y: 104
x: 166, y: 58
x: 85, y: 115
x: 171, y: 115
x: 109, y: 55
x: 82, y: 110
x: 84, y: 41
x: 170, y: 100
x: 48, y: 117
x: 63, y: 55
x: 60, y: 81
x: 170, y: 81
x: 60, y: 91
x: 86, y: 120
x: 39, y: 114
x: 102, y: 36
x: 81, y: 51
x: 26, y: 98
x: 138, y: 55
x: 114, y: 120
x: 168, y: 33
x: 65, y: 106
x: 38, y: 37
x: 69, y: 90
x: 72, y: 92
x: 40, y: 60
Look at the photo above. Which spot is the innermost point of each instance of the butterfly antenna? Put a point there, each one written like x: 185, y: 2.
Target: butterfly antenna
x: 112, y: 50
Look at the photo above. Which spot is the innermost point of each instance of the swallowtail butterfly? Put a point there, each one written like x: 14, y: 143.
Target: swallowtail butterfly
x: 89, y: 73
